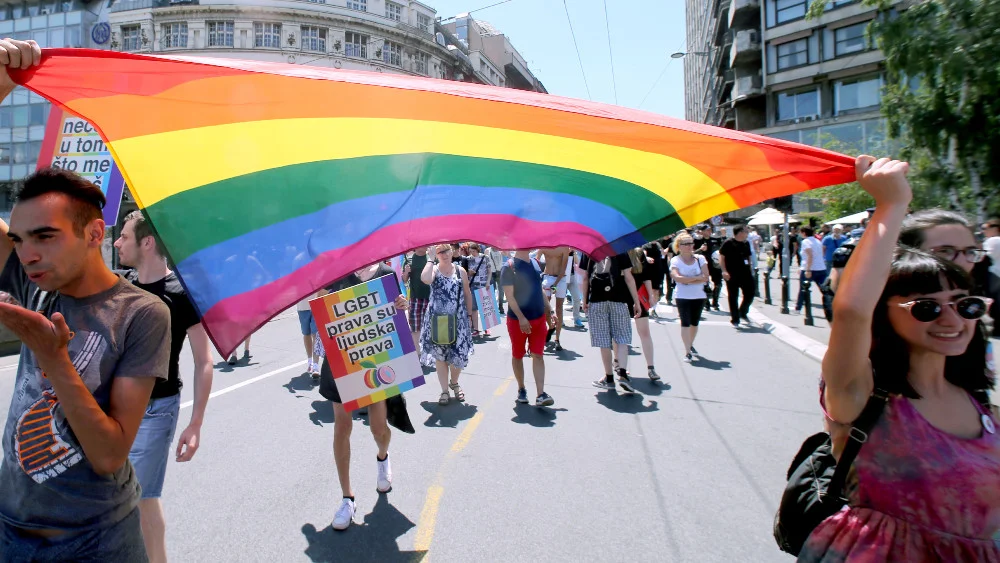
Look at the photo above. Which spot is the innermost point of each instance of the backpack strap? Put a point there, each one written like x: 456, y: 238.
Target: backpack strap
x: 856, y: 438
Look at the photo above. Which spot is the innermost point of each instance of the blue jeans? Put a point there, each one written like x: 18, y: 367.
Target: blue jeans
x: 119, y: 542
x: 151, y: 449
x: 818, y: 277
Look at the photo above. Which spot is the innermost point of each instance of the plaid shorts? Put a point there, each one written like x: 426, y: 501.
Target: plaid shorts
x: 418, y: 307
x: 609, y: 321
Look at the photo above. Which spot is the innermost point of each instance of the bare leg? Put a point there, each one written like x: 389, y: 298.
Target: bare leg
x: 538, y: 369
x: 342, y: 425
x: 518, y: 365
x: 622, y: 353
x: 154, y: 528
x: 307, y: 341
x: 455, y: 372
x: 559, y: 315
x: 606, y: 359
x: 377, y: 415
x: 687, y: 337
x: 642, y: 327
x: 246, y: 346
x: 442, y: 371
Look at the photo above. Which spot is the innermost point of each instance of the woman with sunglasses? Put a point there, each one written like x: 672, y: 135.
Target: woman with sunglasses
x: 690, y: 272
x: 450, y: 295
x: 926, y: 484
x: 949, y: 235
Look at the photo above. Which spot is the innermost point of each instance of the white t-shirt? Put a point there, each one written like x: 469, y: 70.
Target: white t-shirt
x: 689, y: 290
x: 818, y: 263
x: 304, y: 304
x: 992, y: 247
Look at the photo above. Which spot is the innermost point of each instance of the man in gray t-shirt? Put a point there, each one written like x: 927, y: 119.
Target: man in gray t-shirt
x: 92, y: 347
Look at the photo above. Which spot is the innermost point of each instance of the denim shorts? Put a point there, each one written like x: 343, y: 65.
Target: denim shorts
x: 307, y: 324
x: 151, y: 448
x: 119, y: 542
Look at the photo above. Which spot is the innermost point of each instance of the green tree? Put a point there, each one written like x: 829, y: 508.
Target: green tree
x: 842, y: 199
x: 942, y: 96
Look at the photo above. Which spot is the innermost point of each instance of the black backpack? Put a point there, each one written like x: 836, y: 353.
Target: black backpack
x: 816, y: 479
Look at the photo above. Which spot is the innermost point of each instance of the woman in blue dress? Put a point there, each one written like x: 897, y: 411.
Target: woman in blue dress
x: 450, y: 295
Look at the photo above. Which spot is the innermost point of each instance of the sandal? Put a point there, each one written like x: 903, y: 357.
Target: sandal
x: 459, y: 394
x: 444, y: 399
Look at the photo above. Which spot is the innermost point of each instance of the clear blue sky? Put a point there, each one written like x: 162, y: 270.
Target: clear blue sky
x: 643, y: 35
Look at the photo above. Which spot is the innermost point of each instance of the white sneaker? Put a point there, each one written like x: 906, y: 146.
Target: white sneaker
x: 345, y: 515
x: 312, y: 366
x: 384, y: 484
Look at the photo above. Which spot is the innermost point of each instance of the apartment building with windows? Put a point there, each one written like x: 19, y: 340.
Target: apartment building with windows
x: 396, y: 36
x: 820, y: 79
x: 722, y: 69
x: 488, y: 54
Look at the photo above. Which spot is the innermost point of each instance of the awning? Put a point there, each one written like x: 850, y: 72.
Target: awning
x: 854, y: 219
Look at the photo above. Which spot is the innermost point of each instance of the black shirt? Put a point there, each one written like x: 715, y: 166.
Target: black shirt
x: 182, y: 317
x: 418, y: 289
x: 842, y: 254
x: 352, y: 280
x: 737, y: 256
x: 608, y: 286
x: 712, y: 244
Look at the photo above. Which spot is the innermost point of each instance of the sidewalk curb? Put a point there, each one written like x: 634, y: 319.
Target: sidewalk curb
x: 802, y: 343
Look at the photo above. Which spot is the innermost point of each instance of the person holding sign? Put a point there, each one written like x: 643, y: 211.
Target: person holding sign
x: 446, y: 337
x: 526, y: 323
x: 342, y: 420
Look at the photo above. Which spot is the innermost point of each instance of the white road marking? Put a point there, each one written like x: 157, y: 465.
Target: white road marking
x: 247, y: 382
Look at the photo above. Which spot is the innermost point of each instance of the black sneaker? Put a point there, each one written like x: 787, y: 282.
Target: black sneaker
x: 653, y: 376
x: 688, y: 358
x: 232, y: 360
x: 604, y: 383
x: 558, y: 347
x: 522, y: 396
x: 735, y: 324
x: 693, y: 351
x: 544, y: 400
x: 625, y: 381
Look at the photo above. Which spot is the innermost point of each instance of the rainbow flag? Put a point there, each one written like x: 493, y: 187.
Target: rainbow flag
x: 266, y: 181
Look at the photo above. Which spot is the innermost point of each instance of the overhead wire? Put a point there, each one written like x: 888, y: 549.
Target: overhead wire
x: 607, y: 26
x: 660, y: 77
x: 575, y: 45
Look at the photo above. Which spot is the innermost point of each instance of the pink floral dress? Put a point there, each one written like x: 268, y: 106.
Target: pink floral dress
x: 921, y: 495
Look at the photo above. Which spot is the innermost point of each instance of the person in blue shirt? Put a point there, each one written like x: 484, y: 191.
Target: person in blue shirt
x: 832, y: 242
x: 526, y: 322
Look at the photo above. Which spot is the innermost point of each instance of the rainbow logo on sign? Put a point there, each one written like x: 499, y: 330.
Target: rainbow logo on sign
x: 375, y: 377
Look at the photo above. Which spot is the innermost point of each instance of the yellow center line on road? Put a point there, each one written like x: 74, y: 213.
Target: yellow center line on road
x: 432, y: 502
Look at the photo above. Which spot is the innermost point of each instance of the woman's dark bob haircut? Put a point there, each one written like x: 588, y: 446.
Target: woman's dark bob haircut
x: 915, y: 273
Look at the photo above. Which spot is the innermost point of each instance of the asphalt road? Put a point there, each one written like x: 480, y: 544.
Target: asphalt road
x: 690, y: 470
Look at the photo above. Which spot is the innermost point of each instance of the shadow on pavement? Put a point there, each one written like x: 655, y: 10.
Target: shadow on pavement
x: 753, y: 329
x: 539, y: 417
x: 564, y: 355
x: 700, y: 362
x: 572, y: 328
x: 372, y: 540
x: 625, y: 403
x: 448, y: 416
x: 224, y: 367
x: 647, y: 387
x: 301, y: 382
x: 322, y: 412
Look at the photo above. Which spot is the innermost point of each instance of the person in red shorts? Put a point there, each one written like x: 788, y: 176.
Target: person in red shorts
x: 526, y: 323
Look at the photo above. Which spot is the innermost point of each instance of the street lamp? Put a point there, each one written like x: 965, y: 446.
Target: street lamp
x: 682, y: 55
